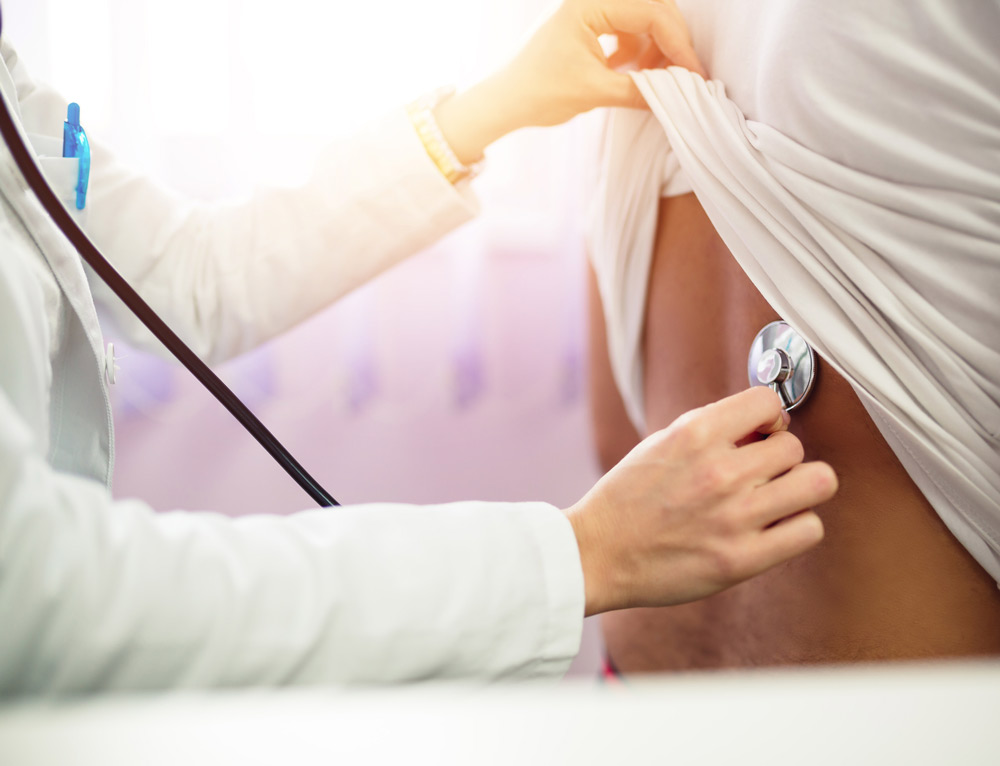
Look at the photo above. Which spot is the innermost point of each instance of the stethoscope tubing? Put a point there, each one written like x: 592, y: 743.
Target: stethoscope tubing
x: 25, y: 161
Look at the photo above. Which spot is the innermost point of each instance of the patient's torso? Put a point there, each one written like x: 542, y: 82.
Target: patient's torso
x: 888, y: 582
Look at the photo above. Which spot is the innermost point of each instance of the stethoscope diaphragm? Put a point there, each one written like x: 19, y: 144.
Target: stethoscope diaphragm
x: 781, y: 359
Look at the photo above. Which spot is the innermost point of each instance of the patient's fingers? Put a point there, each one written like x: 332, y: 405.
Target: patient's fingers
x: 805, y: 486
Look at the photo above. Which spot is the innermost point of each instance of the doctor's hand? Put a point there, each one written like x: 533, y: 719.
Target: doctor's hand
x: 693, y: 509
x: 562, y: 71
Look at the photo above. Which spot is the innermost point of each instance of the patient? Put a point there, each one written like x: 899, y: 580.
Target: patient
x: 883, y: 249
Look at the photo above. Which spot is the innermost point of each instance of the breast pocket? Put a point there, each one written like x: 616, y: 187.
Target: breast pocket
x: 61, y: 173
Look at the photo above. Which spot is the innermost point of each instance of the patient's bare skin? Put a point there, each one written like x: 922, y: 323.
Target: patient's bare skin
x: 888, y: 582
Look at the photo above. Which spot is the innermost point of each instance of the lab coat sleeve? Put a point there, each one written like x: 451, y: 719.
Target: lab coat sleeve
x: 229, y: 276
x: 98, y: 594
x: 101, y: 595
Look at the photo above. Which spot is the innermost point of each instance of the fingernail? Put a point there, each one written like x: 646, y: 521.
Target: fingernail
x: 786, y: 417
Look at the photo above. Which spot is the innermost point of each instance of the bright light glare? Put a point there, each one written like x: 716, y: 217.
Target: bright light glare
x: 246, y: 91
x: 83, y: 76
x: 189, y: 65
x: 328, y: 68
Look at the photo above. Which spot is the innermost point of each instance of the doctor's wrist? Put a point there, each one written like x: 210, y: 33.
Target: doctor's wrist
x: 473, y: 119
x: 595, y: 560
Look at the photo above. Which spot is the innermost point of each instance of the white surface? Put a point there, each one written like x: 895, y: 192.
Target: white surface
x: 886, y: 715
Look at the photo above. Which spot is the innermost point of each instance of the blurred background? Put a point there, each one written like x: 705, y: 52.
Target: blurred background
x: 458, y: 375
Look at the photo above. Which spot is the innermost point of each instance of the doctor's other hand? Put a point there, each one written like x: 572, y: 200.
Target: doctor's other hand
x: 562, y: 71
x: 690, y: 512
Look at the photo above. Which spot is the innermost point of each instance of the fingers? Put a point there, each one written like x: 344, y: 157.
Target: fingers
x: 659, y: 19
x: 757, y: 409
x: 785, y: 525
x: 805, y: 486
x: 619, y: 89
x: 762, y: 460
x: 792, y: 537
x: 682, y: 53
x: 635, y: 52
x: 628, y: 50
x: 651, y: 58
x: 789, y: 530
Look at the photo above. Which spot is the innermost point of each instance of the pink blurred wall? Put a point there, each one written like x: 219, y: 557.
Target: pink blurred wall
x: 417, y: 410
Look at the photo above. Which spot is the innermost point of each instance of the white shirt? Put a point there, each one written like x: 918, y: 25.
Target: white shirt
x: 849, y: 156
x: 98, y: 593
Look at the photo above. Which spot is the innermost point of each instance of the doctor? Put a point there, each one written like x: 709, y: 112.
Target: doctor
x: 100, y: 594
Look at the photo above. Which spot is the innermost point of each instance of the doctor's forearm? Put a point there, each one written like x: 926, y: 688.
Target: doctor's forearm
x: 475, y: 118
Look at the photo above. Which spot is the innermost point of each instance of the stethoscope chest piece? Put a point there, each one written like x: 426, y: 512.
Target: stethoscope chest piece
x: 781, y: 359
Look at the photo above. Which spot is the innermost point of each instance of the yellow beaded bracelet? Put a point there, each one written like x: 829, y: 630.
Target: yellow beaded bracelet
x: 421, y: 114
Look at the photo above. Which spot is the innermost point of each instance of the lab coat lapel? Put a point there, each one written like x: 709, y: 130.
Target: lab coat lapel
x: 63, y: 259
x: 77, y: 386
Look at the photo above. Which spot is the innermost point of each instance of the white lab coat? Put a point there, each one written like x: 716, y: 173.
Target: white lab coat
x: 97, y: 593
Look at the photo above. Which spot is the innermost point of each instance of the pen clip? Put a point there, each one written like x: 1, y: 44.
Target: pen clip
x: 75, y: 144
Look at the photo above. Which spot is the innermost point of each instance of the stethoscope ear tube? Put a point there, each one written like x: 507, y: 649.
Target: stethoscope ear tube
x: 36, y: 181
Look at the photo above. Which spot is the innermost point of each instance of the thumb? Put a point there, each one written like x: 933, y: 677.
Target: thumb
x: 628, y: 50
x: 619, y: 89
x: 658, y: 18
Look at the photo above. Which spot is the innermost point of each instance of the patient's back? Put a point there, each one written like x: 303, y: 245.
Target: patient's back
x: 888, y: 582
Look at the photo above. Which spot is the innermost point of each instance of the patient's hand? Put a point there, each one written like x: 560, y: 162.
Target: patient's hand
x: 695, y: 509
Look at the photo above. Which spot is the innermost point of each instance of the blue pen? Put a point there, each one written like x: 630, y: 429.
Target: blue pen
x: 75, y: 144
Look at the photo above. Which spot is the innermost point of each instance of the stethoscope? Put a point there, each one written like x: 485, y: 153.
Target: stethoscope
x: 25, y: 160
x: 779, y: 357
